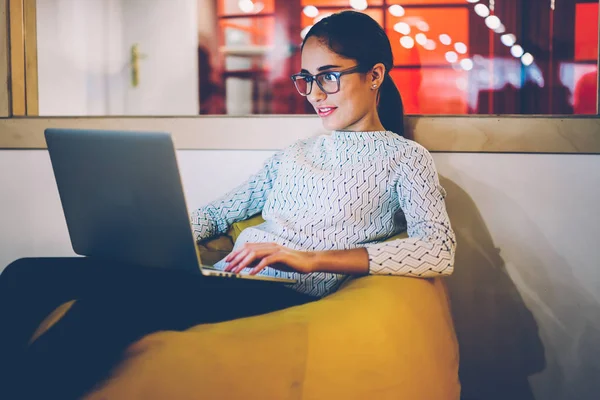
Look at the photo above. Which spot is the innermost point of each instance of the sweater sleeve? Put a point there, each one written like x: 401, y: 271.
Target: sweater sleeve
x: 240, y: 203
x: 429, y: 249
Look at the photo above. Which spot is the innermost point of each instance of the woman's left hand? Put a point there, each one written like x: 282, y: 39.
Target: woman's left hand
x: 260, y: 255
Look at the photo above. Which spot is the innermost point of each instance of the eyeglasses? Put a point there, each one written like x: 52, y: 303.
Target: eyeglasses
x: 328, y: 81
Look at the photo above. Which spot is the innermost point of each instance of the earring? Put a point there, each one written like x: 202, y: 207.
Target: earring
x: 374, y: 87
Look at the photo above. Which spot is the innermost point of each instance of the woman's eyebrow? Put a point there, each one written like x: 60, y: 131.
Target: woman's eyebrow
x: 323, y: 68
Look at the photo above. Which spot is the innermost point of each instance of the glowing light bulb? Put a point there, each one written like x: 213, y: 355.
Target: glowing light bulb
x: 396, y: 10
x: 246, y: 6
x: 508, y: 39
x: 359, y: 5
x: 451, y: 57
x: 421, y: 38
x: 407, y: 42
x: 430, y: 45
x: 527, y: 59
x: 466, y: 64
x: 482, y: 10
x: 516, y: 51
x: 500, y: 29
x: 445, y: 39
x: 402, y: 27
x: 460, y: 47
x: 311, y: 11
x: 493, y: 22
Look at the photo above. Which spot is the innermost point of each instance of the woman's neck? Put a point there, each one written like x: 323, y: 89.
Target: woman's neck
x: 368, y: 123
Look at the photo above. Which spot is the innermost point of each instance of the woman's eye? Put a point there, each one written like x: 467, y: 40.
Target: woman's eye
x: 331, y: 77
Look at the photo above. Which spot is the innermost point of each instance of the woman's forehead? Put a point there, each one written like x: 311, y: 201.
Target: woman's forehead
x: 315, y: 55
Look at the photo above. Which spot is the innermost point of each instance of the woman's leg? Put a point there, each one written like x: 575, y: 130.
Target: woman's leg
x: 29, y: 290
x: 128, y: 303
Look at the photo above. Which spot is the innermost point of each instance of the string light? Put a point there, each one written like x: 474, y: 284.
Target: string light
x: 396, y: 10
x: 482, y: 10
x: 451, y: 57
x: 500, y: 29
x: 445, y: 39
x: 460, y: 47
x: 430, y: 45
x: 407, y: 42
x: 466, y: 64
x: 493, y: 22
x: 527, y: 59
x: 516, y: 51
x: 421, y: 38
x: 402, y: 27
x: 246, y: 6
x: 359, y: 5
x: 508, y: 39
x: 311, y: 11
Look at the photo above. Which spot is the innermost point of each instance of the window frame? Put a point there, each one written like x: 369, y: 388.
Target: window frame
x: 21, y: 128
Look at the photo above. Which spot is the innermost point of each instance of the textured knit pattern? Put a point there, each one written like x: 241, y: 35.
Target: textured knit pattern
x: 342, y: 191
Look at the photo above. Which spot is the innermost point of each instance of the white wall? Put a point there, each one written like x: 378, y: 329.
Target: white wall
x: 84, y: 57
x: 526, y: 291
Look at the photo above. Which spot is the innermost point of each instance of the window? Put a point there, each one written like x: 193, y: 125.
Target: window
x: 235, y: 57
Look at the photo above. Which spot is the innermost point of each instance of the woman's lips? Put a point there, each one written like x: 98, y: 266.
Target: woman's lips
x: 325, y: 111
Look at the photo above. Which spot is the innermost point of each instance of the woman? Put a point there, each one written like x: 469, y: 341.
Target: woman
x: 349, y: 190
x: 328, y: 203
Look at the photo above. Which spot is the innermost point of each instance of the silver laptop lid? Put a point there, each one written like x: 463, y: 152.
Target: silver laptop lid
x: 122, y: 196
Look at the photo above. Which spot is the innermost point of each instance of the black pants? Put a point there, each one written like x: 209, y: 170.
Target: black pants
x: 116, y: 305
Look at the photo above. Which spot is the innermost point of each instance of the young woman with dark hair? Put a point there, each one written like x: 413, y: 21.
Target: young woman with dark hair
x: 329, y: 203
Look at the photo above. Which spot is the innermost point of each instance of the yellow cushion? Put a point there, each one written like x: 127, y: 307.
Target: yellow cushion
x: 378, y: 337
x: 215, y: 249
x: 237, y: 227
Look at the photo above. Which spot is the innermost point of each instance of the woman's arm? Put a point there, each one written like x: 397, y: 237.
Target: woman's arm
x: 427, y: 252
x: 240, y: 203
x: 429, y: 249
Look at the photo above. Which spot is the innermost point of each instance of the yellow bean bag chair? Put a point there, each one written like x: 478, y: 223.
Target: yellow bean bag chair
x: 375, y: 338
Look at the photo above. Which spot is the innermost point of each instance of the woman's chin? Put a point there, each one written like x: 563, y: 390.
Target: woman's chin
x: 331, y: 124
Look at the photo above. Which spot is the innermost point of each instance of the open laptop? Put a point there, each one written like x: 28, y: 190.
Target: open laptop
x: 123, y: 199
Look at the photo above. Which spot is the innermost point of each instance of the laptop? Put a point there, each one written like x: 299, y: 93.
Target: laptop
x: 123, y: 199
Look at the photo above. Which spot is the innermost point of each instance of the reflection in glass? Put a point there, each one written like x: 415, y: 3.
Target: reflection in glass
x: 236, y: 56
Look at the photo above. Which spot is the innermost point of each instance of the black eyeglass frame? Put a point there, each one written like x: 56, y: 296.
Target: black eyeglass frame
x: 314, y: 78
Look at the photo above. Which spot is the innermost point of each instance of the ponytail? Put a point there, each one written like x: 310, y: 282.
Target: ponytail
x: 390, y: 108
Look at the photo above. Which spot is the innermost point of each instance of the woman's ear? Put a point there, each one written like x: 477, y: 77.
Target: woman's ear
x: 377, y: 75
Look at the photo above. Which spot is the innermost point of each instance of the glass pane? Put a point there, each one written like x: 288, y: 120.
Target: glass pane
x: 376, y: 14
x: 425, y: 27
x: 244, y: 7
x: 341, y: 3
x: 189, y: 57
x: 425, y: 2
x: 433, y: 90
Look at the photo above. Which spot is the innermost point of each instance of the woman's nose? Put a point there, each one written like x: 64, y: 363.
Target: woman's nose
x: 316, y: 94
